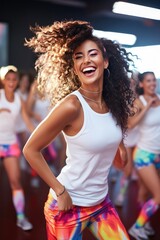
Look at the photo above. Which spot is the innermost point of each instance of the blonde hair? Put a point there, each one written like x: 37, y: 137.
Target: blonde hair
x: 56, y: 77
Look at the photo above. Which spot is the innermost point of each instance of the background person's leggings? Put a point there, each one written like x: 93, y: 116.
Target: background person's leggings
x: 102, y: 220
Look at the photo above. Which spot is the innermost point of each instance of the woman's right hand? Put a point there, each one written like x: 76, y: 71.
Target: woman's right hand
x: 151, y: 102
x: 5, y: 110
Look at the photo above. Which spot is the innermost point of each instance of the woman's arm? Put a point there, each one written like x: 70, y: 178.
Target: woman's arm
x: 60, y: 118
x: 120, y: 159
x: 140, y: 111
x: 4, y: 110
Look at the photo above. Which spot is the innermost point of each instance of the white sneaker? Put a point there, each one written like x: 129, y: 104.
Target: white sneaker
x: 24, y: 224
x: 138, y: 233
x: 149, y: 229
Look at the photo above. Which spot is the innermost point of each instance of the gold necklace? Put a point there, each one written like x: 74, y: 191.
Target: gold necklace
x: 91, y: 99
x: 90, y: 91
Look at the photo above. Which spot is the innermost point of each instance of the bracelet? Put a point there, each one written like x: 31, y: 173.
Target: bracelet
x: 61, y: 192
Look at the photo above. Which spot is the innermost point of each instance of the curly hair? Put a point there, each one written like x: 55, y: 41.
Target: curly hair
x: 55, y: 45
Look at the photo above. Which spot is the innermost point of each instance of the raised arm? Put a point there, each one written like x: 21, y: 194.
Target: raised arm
x: 140, y: 111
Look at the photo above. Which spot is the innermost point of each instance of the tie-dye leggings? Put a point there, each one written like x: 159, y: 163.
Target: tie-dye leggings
x: 102, y: 220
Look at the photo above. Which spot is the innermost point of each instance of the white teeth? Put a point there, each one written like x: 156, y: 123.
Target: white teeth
x: 88, y: 69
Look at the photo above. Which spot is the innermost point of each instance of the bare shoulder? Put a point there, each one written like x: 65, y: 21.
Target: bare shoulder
x: 68, y: 108
x: 138, y: 104
x: 137, y: 107
x: 71, y: 103
x: 72, y: 100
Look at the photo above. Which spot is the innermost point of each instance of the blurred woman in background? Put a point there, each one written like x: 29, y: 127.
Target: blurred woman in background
x: 147, y: 153
x: 129, y: 172
x: 11, y: 105
x: 23, y: 88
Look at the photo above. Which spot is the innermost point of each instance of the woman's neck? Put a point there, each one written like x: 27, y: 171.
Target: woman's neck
x: 9, y: 96
x: 147, y: 95
x: 90, y: 91
x: 22, y: 90
x: 91, y: 98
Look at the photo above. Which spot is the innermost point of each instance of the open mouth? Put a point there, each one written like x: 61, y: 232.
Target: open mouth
x: 89, y: 70
x: 152, y: 88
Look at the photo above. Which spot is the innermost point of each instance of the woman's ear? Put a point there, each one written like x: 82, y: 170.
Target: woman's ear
x: 106, y: 64
x: 141, y: 84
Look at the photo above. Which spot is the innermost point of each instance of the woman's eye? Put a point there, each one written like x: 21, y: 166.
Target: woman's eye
x: 78, y: 57
x: 93, y: 54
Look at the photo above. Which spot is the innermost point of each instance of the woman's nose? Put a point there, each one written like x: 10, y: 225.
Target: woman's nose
x: 86, y: 58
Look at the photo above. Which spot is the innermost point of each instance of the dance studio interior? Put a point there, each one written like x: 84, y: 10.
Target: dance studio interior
x: 135, y: 25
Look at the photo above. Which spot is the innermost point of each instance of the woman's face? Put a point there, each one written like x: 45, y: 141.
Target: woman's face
x: 24, y: 82
x: 149, y: 84
x: 10, y: 82
x: 89, y: 63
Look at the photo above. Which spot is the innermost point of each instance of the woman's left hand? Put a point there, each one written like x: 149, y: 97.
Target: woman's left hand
x: 120, y: 160
x: 64, y: 202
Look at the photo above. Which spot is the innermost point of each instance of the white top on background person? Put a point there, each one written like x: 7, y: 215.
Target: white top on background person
x: 23, y: 91
x: 37, y: 107
x: 149, y: 128
x: 8, y: 118
x: 10, y: 109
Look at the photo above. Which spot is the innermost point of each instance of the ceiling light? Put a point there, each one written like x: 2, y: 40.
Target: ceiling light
x: 136, y: 10
x: 122, y: 38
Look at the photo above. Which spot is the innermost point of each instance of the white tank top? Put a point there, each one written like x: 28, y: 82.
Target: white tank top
x: 132, y: 137
x: 20, y: 124
x: 90, y: 154
x: 8, y: 119
x: 41, y: 107
x: 149, y: 128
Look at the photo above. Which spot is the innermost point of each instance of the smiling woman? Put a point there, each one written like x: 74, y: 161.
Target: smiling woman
x: 147, y: 152
x: 11, y: 106
x: 89, y: 60
x: 86, y: 77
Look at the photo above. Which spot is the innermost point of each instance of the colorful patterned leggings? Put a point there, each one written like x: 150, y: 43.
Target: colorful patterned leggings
x: 143, y: 158
x: 102, y: 220
x: 9, y: 150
